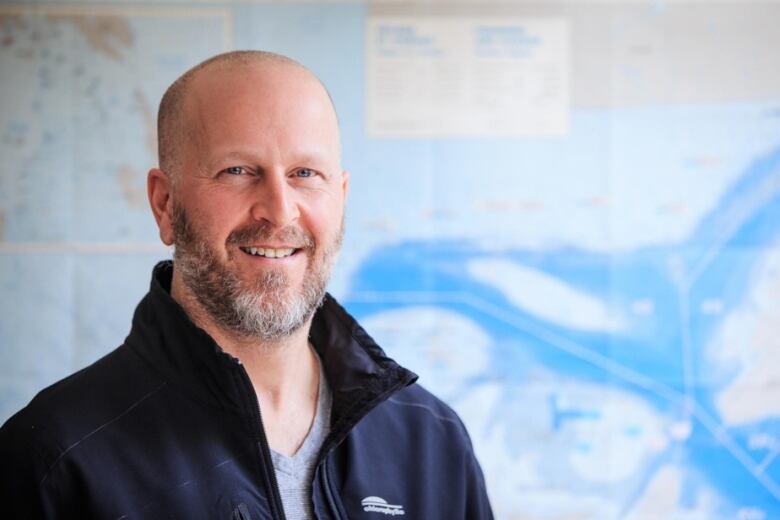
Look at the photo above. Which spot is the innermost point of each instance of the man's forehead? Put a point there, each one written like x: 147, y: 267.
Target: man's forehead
x: 260, y: 79
x: 231, y: 109
x: 279, y: 92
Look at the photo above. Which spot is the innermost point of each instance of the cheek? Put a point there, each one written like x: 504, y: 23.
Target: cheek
x: 327, y: 220
x: 215, y: 221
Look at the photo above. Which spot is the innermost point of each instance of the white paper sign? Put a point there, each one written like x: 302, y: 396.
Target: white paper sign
x: 467, y: 77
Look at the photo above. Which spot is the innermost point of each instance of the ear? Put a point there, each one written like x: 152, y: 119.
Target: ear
x: 158, y: 188
x: 345, y: 184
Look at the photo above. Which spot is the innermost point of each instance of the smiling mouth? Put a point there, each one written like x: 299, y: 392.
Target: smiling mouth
x: 268, y: 252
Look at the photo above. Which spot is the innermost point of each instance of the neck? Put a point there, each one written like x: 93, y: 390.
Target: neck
x: 283, y: 372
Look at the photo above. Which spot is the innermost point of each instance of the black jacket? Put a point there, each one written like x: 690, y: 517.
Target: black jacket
x: 168, y: 426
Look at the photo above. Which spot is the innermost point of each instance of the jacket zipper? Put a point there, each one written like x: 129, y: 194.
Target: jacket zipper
x: 265, y: 452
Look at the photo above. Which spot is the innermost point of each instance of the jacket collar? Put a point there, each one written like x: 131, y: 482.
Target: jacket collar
x: 358, y: 372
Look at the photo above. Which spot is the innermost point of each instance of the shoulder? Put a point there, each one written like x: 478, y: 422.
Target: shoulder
x: 68, y: 411
x: 39, y: 441
x: 417, y: 404
x: 420, y: 418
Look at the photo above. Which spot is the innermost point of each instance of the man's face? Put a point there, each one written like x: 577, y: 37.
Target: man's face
x: 258, y: 207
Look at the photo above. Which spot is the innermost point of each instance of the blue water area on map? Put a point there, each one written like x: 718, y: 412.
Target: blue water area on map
x: 716, y: 262
x: 561, y: 415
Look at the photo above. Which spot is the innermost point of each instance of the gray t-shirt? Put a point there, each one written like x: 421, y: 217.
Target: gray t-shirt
x: 294, y: 474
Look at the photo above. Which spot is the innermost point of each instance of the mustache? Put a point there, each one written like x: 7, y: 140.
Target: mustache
x: 263, y: 231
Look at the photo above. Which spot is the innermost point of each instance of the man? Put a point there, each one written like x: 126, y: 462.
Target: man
x: 243, y: 390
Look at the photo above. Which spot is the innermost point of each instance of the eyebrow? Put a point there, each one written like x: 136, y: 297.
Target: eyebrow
x: 248, y: 156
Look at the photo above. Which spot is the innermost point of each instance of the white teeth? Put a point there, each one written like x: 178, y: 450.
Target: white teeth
x: 269, y: 252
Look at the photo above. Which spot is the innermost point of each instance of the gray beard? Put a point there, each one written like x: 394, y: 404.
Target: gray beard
x: 266, y: 308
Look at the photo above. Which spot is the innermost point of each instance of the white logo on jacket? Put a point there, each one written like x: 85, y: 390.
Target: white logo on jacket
x: 380, y: 505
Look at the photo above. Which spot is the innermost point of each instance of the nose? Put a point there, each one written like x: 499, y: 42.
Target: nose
x: 275, y: 201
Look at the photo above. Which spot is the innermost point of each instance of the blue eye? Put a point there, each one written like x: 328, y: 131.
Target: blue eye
x: 304, y: 172
x: 234, y: 170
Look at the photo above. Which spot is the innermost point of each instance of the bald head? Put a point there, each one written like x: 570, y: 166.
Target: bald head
x: 175, y: 127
